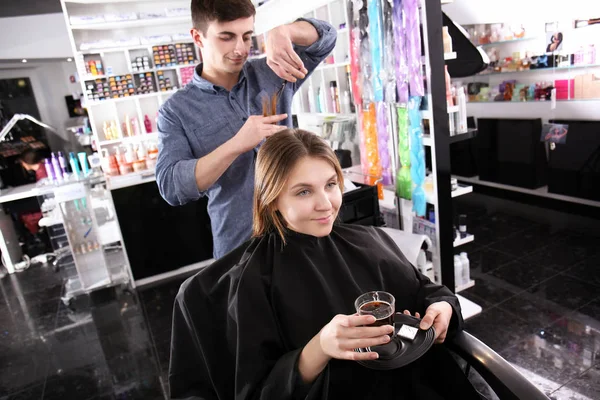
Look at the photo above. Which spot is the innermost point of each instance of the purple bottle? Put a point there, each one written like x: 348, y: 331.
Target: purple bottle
x: 56, y: 167
x: 49, y: 170
x: 63, y: 163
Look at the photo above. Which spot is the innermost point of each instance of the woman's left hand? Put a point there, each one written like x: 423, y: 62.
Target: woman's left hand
x: 439, y: 315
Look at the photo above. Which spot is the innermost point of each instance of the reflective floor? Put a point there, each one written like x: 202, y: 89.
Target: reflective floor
x: 539, y: 289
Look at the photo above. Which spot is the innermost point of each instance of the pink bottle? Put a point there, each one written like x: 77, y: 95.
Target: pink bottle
x: 147, y: 124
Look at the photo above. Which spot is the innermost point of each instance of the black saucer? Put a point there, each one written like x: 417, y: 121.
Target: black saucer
x: 399, y: 351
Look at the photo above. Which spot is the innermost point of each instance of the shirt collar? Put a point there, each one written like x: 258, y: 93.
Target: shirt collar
x: 208, y: 86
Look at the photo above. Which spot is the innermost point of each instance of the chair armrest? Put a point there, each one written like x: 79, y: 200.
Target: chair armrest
x: 503, y: 378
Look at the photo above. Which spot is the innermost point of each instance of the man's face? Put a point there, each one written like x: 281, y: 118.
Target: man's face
x: 226, y: 45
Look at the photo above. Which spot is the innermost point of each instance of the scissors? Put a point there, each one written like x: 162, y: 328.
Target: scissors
x: 269, y: 105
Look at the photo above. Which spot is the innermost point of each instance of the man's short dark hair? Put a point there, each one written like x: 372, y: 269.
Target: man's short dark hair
x: 205, y: 11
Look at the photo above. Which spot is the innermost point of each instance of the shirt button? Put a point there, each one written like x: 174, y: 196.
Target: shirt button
x: 232, y: 97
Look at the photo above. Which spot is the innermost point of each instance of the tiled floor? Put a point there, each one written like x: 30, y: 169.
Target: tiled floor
x: 539, y: 289
x: 540, y: 293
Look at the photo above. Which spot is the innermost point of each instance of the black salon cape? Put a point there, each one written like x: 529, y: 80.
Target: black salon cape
x: 240, y: 324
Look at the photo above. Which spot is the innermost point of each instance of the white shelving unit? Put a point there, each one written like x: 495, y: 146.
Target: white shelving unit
x: 113, y: 34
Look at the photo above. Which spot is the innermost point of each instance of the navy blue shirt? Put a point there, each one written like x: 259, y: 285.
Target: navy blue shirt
x: 202, y: 116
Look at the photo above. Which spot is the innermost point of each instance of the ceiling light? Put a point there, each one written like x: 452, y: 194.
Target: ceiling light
x: 69, y: 59
x: 24, y: 60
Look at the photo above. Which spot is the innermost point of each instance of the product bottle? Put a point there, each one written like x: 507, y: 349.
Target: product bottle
x: 84, y: 163
x: 447, y: 40
x: 49, y: 170
x: 135, y: 127
x: 56, y: 167
x: 461, y: 118
x: 321, y: 101
x: 458, y: 271
x: 147, y: 124
x: 74, y: 165
x: 130, y: 155
x: 462, y: 225
x: 346, y: 103
x: 349, y: 79
x: 141, y: 152
x: 335, y: 97
x: 312, y: 107
x: 63, y: 164
x: 466, y: 267
x: 448, y: 88
x: 128, y: 126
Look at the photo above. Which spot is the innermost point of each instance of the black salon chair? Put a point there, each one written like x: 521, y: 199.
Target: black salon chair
x: 497, y: 373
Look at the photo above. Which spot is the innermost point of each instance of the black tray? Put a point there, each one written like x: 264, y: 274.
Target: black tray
x: 399, y: 351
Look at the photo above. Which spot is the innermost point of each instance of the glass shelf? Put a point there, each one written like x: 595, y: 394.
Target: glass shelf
x: 578, y: 66
x: 529, y: 102
x: 525, y: 39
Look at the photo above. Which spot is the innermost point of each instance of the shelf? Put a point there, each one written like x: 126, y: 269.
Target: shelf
x: 427, y: 141
x: 525, y: 71
x: 450, y: 56
x: 135, y: 96
x: 462, y: 190
x: 156, y: 69
x: 331, y: 66
x: 466, y: 286
x: 137, y: 138
x: 88, y: 78
x: 129, y: 48
x: 525, y: 39
x: 132, y: 179
x: 529, y: 102
x: 467, y: 239
x: 136, y: 23
x: 471, y: 133
x: 541, y: 192
x: 426, y: 114
x: 468, y: 308
x: 327, y: 115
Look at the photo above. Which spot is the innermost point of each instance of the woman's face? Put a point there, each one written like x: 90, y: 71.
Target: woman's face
x: 311, y: 198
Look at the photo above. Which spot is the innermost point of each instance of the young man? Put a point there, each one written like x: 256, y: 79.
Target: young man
x: 210, y: 130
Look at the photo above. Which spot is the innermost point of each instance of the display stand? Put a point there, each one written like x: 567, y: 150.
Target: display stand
x: 83, y: 225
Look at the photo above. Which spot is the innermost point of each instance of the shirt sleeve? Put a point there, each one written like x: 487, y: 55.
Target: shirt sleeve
x: 314, y: 54
x: 176, y: 165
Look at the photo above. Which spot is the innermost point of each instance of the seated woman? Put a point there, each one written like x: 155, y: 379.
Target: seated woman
x: 274, y: 319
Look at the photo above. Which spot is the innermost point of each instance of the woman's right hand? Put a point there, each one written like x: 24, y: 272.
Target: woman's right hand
x: 344, y: 333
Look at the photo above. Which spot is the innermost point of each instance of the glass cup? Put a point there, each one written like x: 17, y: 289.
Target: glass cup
x: 382, y: 305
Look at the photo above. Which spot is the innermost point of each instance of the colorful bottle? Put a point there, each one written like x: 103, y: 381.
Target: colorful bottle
x: 74, y: 165
x: 147, y: 124
x: 63, y: 164
x: 49, y: 170
x: 56, y: 167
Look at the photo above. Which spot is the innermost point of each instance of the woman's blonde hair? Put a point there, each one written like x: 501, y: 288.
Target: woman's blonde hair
x: 275, y: 161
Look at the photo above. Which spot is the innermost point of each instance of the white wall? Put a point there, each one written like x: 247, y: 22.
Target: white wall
x: 50, y: 83
x: 35, y: 36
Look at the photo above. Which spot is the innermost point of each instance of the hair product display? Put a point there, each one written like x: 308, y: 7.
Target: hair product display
x: 373, y: 165
x: 403, y: 179
x: 413, y: 42
x: 417, y: 156
x: 401, y: 67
